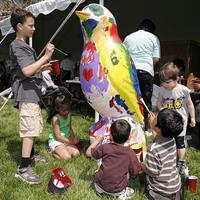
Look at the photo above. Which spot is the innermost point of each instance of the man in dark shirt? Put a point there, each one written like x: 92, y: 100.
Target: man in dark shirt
x: 118, y: 162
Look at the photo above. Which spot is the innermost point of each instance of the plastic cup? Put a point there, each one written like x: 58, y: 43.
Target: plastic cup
x: 184, y: 81
x: 76, y: 78
x: 56, y: 67
x: 192, y: 183
x: 139, y: 153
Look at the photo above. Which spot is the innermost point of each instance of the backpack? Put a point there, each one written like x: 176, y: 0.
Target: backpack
x: 17, y: 78
x: 15, y: 87
x: 59, y: 181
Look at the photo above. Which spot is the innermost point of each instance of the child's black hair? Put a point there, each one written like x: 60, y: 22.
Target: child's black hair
x: 60, y: 99
x: 147, y: 25
x: 19, y: 15
x: 170, y: 122
x: 120, y: 131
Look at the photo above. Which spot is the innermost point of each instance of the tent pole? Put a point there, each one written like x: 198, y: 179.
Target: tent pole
x: 101, y: 2
x: 62, y: 24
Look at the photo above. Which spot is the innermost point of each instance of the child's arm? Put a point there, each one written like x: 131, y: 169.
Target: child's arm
x: 191, y: 111
x: 143, y: 166
x: 73, y: 137
x: 56, y: 128
x: 134, y: 166
x: 151, y: 166
x: 40, y: 64
x: 93, y: 145
x: 159, y: 102
x: 151, y: 121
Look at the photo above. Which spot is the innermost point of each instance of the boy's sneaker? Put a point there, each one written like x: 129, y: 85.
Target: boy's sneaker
x: 28, y: 175
x: 39, y: 158
x: 182, y: 168
x: 128, y: 194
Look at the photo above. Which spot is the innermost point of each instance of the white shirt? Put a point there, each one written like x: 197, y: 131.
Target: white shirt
x: 67, y: 64
x: 47, y: 79
x: 143, y: 46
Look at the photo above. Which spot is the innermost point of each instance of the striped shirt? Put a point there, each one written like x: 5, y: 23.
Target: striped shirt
x: 162, y: 175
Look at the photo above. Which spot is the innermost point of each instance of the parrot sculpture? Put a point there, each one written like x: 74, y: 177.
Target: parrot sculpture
x: 107, y: 74
x: 109, y: 79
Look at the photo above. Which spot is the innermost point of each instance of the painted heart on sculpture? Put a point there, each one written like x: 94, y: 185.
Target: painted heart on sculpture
x: 88, y: 74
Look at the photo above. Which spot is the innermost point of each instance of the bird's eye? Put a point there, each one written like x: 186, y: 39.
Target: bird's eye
x: 96, y: 10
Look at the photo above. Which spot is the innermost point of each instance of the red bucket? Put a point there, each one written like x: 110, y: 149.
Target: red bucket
x: 139, y: 153
x: 192, y: 183
x: 59, y: 181
x: 56, y: 67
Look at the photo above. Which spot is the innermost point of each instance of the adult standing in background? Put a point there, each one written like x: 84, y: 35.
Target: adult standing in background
x: 67, y: 66
x: 144, y: 49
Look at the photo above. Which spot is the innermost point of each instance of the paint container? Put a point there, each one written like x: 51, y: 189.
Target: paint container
x: 56, y: 67
x: 192, y: 183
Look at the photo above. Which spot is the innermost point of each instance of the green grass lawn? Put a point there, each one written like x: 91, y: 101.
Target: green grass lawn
x: 80, y: 169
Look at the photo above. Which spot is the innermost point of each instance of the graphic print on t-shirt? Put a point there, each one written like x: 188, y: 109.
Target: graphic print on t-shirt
x: 172, y: 103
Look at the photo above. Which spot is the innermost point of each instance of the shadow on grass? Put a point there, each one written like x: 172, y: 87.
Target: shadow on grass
x: 85, y: 175
x: 138, y: 183
x: 14, y: 149
x: 41, y: 144
x: 85, y: 145
x: 3, y: 138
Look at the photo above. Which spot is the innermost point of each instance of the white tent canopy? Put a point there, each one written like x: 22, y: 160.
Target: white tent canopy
x: 49, y: 16
x: 44, y: 7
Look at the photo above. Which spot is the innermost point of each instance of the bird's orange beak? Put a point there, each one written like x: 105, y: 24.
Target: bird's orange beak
x: 83, y: 15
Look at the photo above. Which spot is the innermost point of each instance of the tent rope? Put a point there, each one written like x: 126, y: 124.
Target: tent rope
x: 61, y: 26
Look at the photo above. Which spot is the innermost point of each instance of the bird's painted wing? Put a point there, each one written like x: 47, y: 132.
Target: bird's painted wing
x: 121, y: 73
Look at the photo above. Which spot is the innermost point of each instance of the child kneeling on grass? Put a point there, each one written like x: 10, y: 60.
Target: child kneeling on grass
x: 62, y: 140
x: 118, y: 162
x: 163, y: 179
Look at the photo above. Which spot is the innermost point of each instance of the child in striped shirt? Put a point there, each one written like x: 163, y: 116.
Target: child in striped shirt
x: 163, y: 180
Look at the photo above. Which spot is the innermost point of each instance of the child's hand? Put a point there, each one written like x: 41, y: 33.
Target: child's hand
x: 49, y: 50
x: 46, y: 67
x: 99, y: 138
x: 133, y: 137
x: 151, y: 120
x: 192, y: 122
x: 75, y: 140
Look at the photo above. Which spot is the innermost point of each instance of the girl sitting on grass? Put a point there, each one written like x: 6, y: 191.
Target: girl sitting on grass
x: 62, y: 140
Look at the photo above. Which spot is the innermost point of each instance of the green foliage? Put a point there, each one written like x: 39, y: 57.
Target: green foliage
x: 80, y: 169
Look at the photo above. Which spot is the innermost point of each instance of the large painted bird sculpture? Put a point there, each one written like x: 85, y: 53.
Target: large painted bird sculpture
x: 107, y: 74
